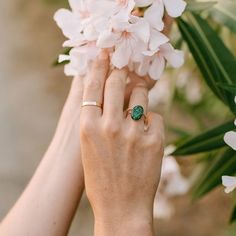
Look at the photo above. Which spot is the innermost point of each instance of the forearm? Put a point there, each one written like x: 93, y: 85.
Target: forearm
x: 48, y: 204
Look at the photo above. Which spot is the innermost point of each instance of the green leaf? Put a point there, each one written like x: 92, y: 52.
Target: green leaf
x: 224, y: 164
x: 200, y: 6
x: 215, y: 61
x: 229, y: 88
x: 224, y: 13
x: 207, y: 141
x: 233, y: 216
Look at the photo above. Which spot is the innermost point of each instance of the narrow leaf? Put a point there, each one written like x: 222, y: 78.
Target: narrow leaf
x: 207, y: 141
x: 224, y: 164
x: 229, y: 88
x: 215, y: 61
x: 200, y: 6
x: 233, y: 216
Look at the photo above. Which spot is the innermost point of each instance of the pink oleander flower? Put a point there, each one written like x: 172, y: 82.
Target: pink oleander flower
x: 81, y: 23
x: 119, y: 9
x: 71, y: 22
x: 80, y: 58
x: 154, y: 60
x: 133, y: 40
x: 154, y: 14
x: 128, y: 41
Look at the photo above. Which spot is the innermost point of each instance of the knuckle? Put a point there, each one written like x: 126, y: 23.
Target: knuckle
x: 117, y: 77
x: 98, y: 66
x: 131, y: 135
x: 115, y: 82
x: 142, y: 91
x: 94, y: 84
x: 155, y: 143
x: 86, y: 127
x: 111, y: 128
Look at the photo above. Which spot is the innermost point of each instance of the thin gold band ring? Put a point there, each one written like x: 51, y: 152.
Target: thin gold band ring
x: 91, y: 104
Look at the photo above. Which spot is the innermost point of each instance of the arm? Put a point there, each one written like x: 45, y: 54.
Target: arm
x: 48, y: 204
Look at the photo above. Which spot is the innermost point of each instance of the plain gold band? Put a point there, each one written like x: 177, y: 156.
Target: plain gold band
x: 91, y: 104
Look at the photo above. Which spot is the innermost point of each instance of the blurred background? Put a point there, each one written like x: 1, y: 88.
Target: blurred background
x: 32, y: 94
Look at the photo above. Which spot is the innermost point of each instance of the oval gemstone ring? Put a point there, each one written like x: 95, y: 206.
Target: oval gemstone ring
x: 136, y: 113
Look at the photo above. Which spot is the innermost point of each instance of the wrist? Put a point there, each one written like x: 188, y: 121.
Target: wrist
x: 135, y: 227
x: 119, y: 225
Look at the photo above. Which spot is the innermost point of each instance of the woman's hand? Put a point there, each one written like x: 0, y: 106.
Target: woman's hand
x: 121, y: 160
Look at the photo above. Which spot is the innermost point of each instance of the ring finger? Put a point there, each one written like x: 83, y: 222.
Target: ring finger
x: 138, y: 105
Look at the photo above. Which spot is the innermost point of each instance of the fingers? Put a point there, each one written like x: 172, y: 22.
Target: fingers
x: 114, y: 94
x: 156, y: 127
x: 94, y: 84
x: 139, y: 97
x: 76, y: 90
x: 137, y: 80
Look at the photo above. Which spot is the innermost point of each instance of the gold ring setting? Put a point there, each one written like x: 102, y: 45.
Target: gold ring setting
x: 91, y: 104
x: 137, y: 113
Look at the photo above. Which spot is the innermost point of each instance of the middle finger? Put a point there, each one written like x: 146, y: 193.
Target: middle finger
x: 115, y: 94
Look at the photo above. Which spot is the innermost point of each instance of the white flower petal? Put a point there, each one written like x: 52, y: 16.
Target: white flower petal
x: 157, y: 39
x: 230, y: 139
x: 74, y: 42
x: 143, y: 3
x: 229, y: 182
x: 90, y: 33
x: 121, y: 56
x: 69, y: 70
x: 123, y: 15
x: 154, y: 15
x: 178, y: 185
x: 141, y: 29
x: 157, y: 67
x: 103, y: 7
x: 68, y: 22
x: 163, y: 209
x: 63, y: 58
x: 106, y: 39
x: 76, y: 5
x: 143, y: 67
x: 175, y: 8
x: 149, y: 53
x: 174, y: 57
